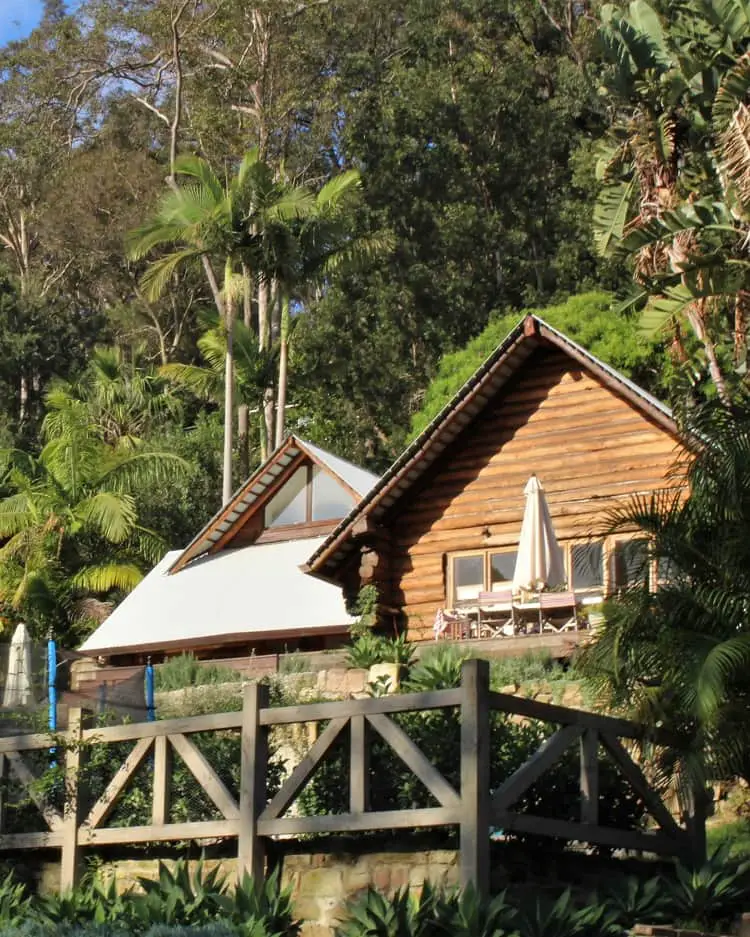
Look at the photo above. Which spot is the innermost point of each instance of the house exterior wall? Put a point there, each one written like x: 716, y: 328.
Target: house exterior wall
x: 590, y: 448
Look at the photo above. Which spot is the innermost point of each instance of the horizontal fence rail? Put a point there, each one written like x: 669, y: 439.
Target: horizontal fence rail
x: 237, y: 801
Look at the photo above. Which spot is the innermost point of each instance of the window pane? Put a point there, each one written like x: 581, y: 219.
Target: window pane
x: 631, y: 563
x: 502, y: 567
x: 588, y: 570
x: 468, y: 576
x: 666, y: 569
x: 289, y: 506
x: 329, y: 500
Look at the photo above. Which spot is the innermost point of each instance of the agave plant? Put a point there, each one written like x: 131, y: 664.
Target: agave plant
x: 366, y: 650
x: 468, y: 915
x: 634, y: 901
x: 179, y: 897
x: 563, y: 918
x: 14, y: 902
x: 711, y: 893
x: 259, y: 908
x: 403, y: 915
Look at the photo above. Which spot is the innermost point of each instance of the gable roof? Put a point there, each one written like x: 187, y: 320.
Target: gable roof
x: 531, y: 333
x: 245, y: 500
x: 247, y: 594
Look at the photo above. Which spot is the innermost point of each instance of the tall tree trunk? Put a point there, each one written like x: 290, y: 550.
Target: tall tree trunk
x: 243, y: 413
x: 283, y: 371
x: 226, y: 488
x: 264, y: 344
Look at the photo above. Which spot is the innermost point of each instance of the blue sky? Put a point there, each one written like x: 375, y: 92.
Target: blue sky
x: 18, y: 18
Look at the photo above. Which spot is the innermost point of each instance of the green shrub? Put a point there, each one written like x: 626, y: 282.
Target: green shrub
x: 532, y: 667
x: 634, y: 901
x: 398, y: 651
x: 185, y: 671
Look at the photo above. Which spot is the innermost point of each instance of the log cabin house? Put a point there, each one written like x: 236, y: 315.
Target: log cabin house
x: 442, y: 525
x: 237, y: 589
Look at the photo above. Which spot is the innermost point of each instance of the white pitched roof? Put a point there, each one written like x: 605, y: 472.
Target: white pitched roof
x: 246, y: 592
x: 355, y: 477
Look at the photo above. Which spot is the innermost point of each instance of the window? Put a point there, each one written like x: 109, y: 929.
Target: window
x: 289, y: 505
x: 310, y: 495
x: 329, y: 500
x: 587, y: 566
x: 502, y: 567
x: 468, y: 576
x: 630, y: 563
x: 472, y: 573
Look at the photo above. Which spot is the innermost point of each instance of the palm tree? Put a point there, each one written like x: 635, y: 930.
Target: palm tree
x: 124, y: 398
x: 211, y: 222
x: 70, y: 522
x: 679, y: 656
x: 306, y: 251
x: 676, y: 167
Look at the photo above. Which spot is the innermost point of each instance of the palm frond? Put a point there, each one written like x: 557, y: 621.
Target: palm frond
x: 106, y: 577
x: 200, y: 170
x: 206, y: 383
x: 112, y: 514
x: 735, y: 152
x: 160, y: 272
x: 141, y: 469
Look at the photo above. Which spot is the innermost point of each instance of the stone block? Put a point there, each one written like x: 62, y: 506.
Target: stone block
x: 322, y: 882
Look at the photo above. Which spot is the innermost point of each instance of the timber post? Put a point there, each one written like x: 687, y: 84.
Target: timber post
x: 475, y: 776
x: 253, y: 791
x: 70, y: 862
x: 695, y: 823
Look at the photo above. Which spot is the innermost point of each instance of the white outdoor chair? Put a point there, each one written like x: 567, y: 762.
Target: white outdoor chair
x: 497, y: 617
x: 553, y: 608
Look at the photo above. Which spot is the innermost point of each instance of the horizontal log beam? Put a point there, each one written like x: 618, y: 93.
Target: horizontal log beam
x: 26, y: 743
x: 355, y: 823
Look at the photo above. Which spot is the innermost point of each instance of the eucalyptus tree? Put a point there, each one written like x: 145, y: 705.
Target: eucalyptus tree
x: 212, y: 222
x: 675, y: 166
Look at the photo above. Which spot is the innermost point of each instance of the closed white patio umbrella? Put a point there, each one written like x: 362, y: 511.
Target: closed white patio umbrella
x: 17, y: 691
x: 540, y: 560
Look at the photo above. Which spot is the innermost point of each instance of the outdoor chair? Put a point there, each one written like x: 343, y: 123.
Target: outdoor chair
x: 558, y: 611
x: 496, y: 617
x: 452, y: 623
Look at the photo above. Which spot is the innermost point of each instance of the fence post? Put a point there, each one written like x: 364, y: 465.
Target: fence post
x: 475, y: 776
x: 70, y: 860
x: 253, y: 793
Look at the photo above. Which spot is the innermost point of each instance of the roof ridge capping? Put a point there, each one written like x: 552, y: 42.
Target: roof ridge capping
x: 531, y: 332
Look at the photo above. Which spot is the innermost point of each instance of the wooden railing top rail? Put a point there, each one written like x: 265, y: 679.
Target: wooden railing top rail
x: 211, y: 722
x: 25, y: 743
x: 404, y: 702
x: 549, y: 712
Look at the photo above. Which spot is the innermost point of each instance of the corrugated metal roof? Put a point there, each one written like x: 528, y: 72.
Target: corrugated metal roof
x: 251, y: 590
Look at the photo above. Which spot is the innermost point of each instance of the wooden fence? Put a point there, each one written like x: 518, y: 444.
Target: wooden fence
x: 253, y: 818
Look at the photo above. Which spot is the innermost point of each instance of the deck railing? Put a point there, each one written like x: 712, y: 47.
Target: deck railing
x: 254, y: 817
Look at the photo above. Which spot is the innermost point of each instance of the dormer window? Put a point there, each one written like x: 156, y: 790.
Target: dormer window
x: 310, y: 495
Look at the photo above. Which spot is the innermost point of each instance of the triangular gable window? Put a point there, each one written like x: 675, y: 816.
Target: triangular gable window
x: 310, y: 495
